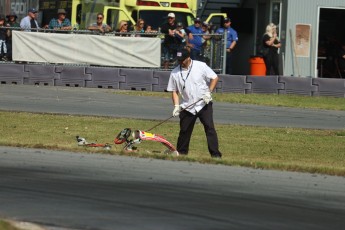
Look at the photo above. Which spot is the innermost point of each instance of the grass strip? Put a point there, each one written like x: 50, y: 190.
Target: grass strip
x: 292, y: 149
x: 295, y: 101
x: 5, y: 225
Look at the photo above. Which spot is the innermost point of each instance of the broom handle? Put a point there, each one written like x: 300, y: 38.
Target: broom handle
x: 173, y: 115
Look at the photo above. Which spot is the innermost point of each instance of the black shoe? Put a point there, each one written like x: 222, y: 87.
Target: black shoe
x: 216, y: 156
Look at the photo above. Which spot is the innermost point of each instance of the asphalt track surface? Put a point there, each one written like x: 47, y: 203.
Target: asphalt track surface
x: 62, y: 190
x: 100, y: 102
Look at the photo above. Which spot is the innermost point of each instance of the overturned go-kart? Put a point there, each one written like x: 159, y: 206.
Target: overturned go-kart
x: 138, y: 136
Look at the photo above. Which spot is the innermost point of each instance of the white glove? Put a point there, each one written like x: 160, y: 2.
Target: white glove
x: 207, y: 97
x: 176, y: 110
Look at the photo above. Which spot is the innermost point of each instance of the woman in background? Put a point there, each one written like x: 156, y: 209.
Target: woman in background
x: 272, y: 43
x: 139, y: 27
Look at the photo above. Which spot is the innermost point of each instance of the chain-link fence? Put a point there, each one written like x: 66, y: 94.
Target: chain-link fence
x: 212, y: 50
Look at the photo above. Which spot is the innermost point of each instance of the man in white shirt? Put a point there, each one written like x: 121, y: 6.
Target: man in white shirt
x: 29, y: 22
x: 193, y: 81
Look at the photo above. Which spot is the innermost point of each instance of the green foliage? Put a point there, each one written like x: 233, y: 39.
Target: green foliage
x: 306, y: 150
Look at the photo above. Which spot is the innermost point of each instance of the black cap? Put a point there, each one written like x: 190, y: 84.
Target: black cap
x: 197, y: 20
x: 32, y: 10
x: 226, y: 20
x: 182, y: 54
x: 12, y: 14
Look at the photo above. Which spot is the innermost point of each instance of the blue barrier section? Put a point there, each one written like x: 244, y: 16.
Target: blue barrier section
x: 72, y: 76
x: 138, y: 79
x: 232, y: 84
x: 268, y: 84
x: 12, y: 74
x: 163, y: 80
x: 40, y: 75
x: 104, y: 78
x: 157, y: 80
x: 297, y: 85
x: 329, y: 87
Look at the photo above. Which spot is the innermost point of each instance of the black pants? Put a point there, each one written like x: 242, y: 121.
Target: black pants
x: 272, y: 64
x: 228, y: 69
x: 187, y: 122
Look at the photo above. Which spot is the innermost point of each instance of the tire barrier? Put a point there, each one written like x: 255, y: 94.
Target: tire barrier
x: 157, y: 80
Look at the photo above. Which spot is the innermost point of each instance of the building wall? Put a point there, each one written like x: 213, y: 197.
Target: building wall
x: 303, y: 12
x: 20, y: 7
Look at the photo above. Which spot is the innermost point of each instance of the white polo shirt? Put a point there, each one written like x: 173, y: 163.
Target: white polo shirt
x: 191, y: 83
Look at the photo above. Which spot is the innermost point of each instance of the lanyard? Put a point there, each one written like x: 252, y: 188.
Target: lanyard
x: 184, y: 80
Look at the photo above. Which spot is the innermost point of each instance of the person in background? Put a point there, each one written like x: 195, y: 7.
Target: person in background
x: 195, y: 39
x: 30, y: 22
x: 99, y: 26
x: 272, y: 43
x: 123, y: 29
x: 193, y: 81
x: 232, y: 39
x: 139, y: 27
x: 61, y: 23
x: 3, y: 36
x: 149, y: 29
x: 11, y: 22
x: 170, y: 43
x: 150, y: 32
x: 180, y: 33
x: 205, y: 52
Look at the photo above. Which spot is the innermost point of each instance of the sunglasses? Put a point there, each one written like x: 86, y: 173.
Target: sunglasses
x: 99, y: 18
x: 141, y: 23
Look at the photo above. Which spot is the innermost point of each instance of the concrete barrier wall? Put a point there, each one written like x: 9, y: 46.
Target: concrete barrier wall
x: 157, y: 80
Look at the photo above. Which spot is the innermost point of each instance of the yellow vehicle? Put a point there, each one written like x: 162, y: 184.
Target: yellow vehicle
x: 154, y: 12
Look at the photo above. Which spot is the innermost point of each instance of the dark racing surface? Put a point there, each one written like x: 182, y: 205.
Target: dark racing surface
x: 62, y: 190
x: 89, y: 191
x: 101, y: 102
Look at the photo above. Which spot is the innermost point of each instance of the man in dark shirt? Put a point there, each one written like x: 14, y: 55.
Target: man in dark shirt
x: 171, y: 42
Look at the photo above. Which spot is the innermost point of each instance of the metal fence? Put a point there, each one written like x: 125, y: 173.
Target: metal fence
x: 212, y: 52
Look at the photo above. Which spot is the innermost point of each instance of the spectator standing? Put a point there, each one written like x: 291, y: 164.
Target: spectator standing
x: 181, y: 34
x: 3, y: 36
x: 170, y: 43
x: 123, y: 28
x: 30, y: 22
x: 149, y: 29
x: 231, y: 42
x: 193, y: 80
x: 99, y: 26
x: 150, y: 32
x: 61, y: 23
x: 11, y: 22
x: 195, y: 39
x: 272, y: 44
x: 139, y: 27
x: 205, y: 53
